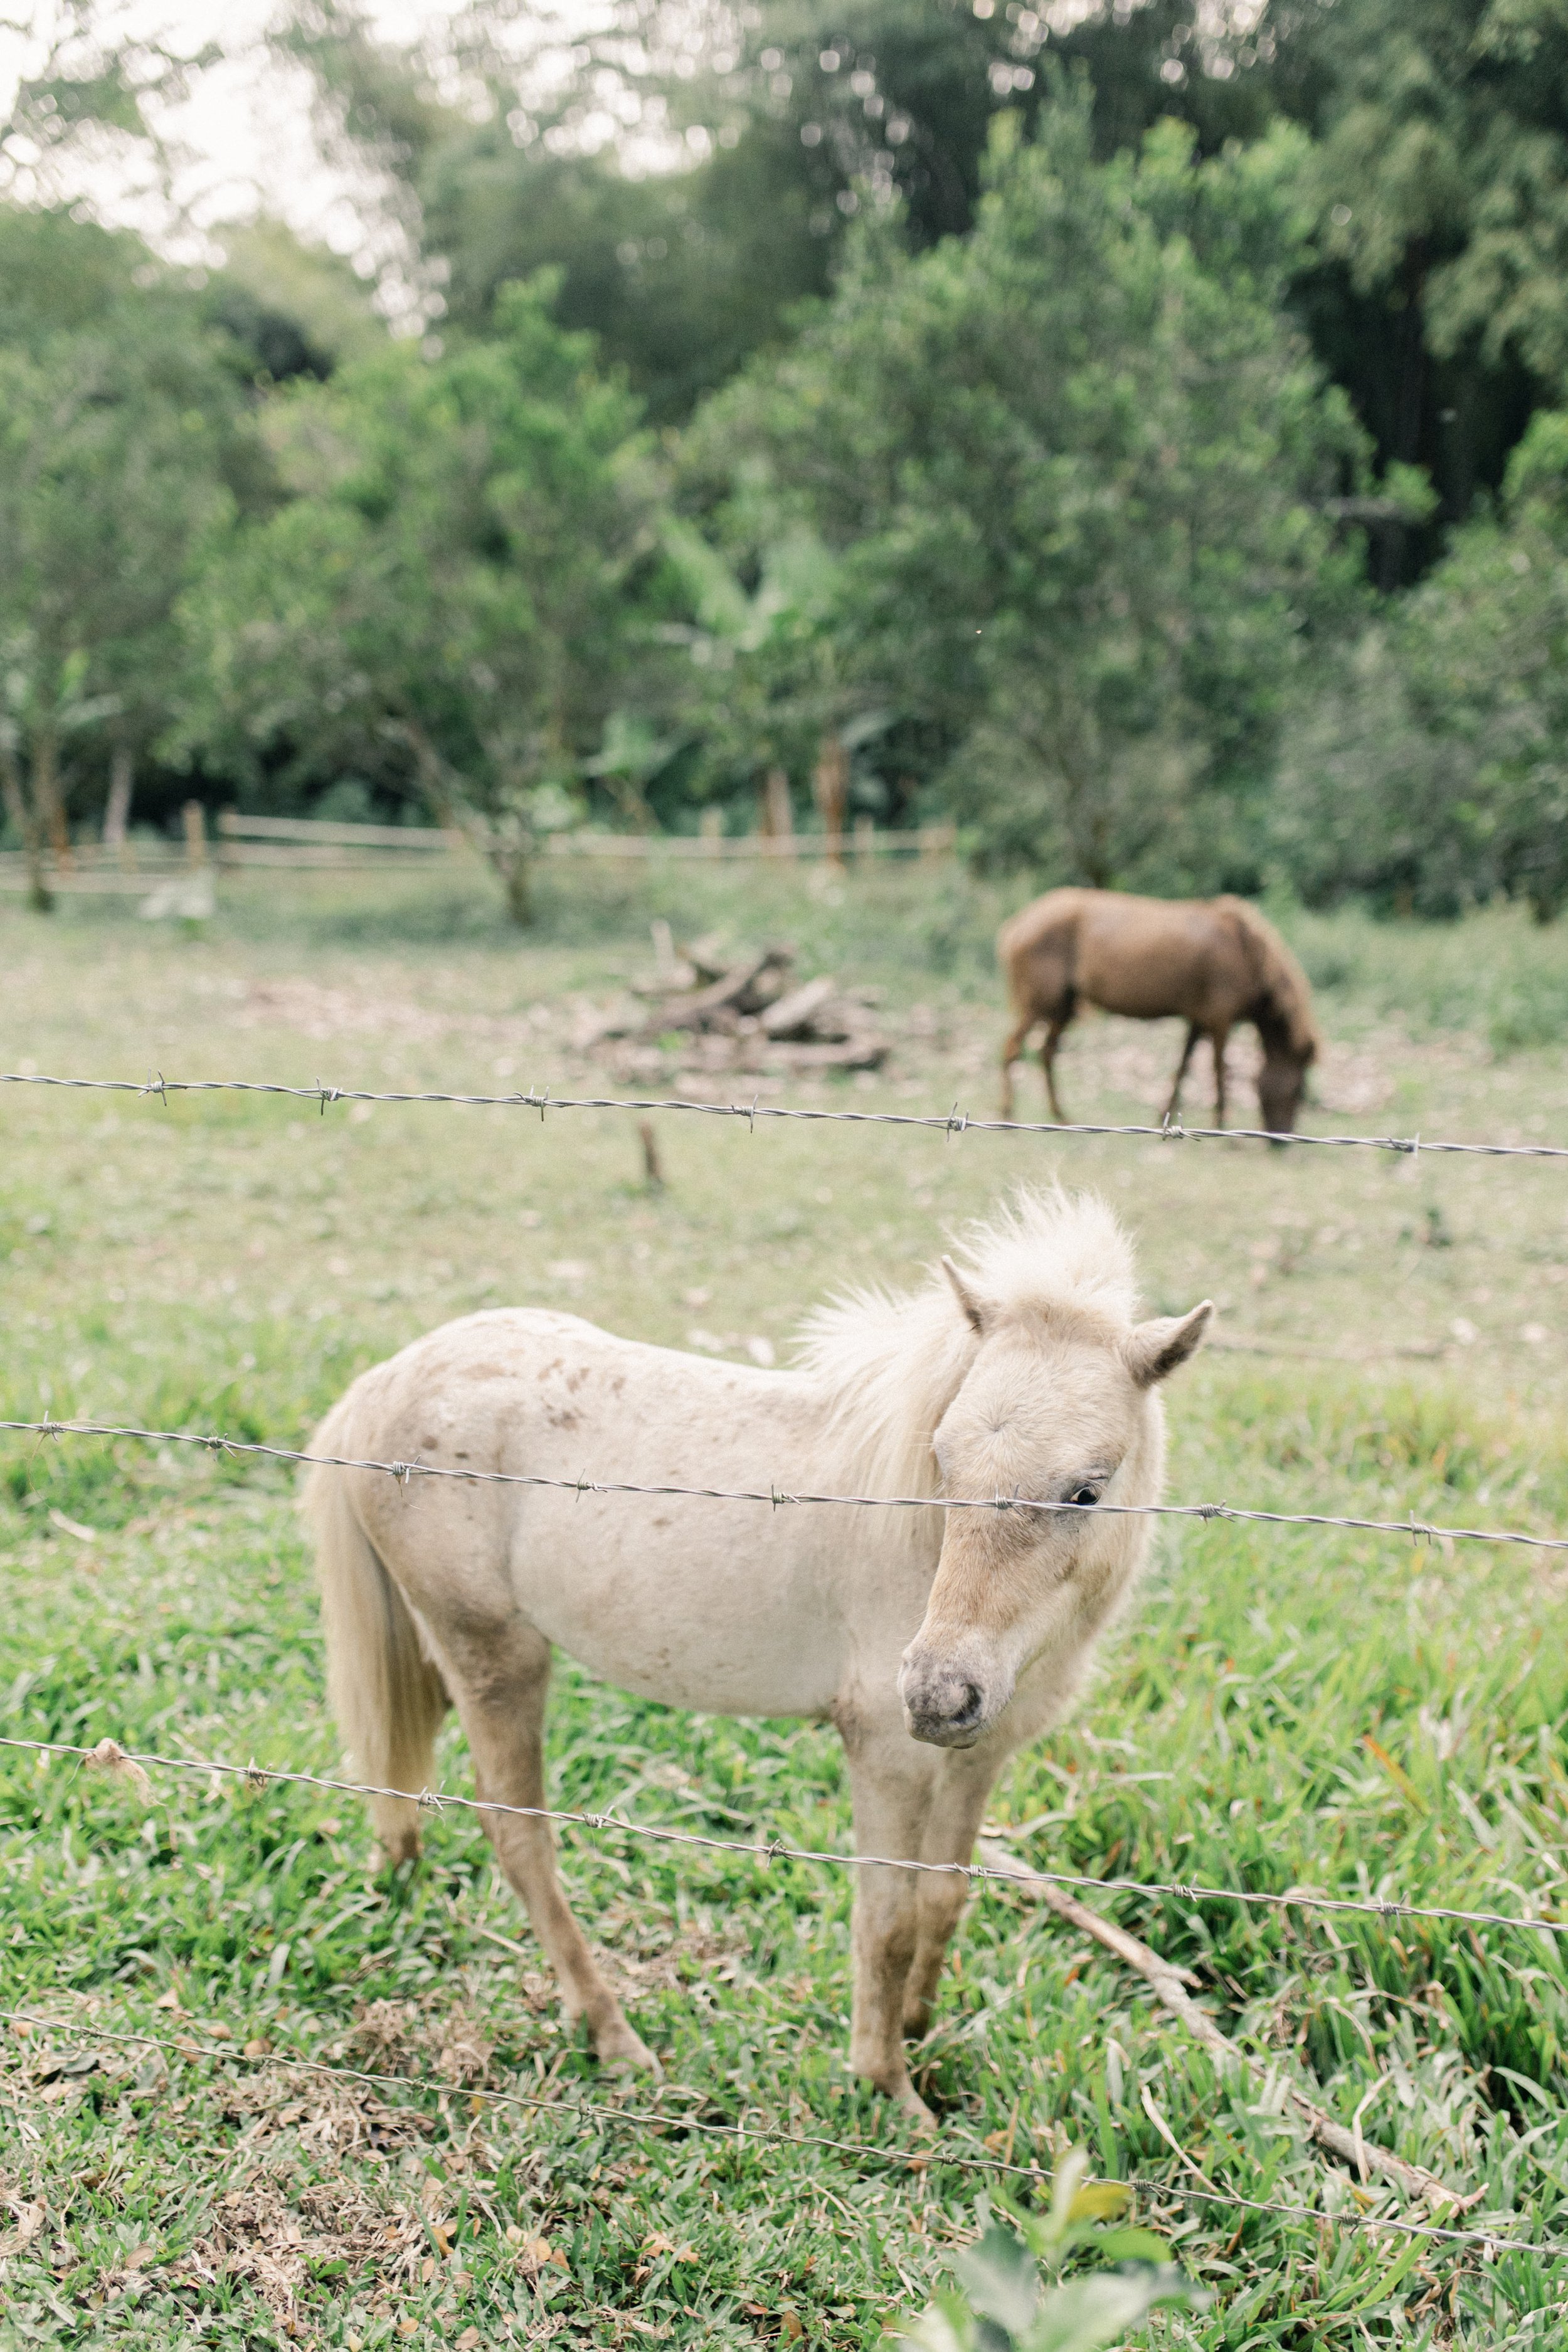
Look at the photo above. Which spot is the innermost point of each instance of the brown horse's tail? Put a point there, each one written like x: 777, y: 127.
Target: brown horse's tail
x: 1286, y: 1005
x: 387, y: 1695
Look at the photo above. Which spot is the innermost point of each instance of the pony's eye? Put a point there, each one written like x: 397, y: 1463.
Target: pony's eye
x: 1084, y: 1497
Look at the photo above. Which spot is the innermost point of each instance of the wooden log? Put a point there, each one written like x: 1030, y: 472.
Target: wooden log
x: 1169, y: 1985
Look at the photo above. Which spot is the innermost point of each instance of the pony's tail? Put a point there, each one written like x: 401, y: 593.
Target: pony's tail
x: 387, y: 1695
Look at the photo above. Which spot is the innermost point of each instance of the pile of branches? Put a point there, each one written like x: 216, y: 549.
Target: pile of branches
x: 723, y: 1010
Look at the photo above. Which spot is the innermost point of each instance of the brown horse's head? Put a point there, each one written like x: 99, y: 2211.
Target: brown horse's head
x: 1288, y: 1033
x: 1282, y: 1080
x: 1058, y: 1406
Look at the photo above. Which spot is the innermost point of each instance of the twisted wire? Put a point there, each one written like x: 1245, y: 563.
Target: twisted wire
x: 952, y: 1122
x: 1490, y: 2241
x: 257, y: 1777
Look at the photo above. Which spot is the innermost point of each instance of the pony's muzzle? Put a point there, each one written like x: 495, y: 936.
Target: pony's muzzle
x: 944, y: 1702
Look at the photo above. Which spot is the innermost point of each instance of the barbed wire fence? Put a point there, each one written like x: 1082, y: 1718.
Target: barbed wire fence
x: 110, y: 1755
x: 780, y: 1498
x: 751, y: 2131
x: 953, y: 1124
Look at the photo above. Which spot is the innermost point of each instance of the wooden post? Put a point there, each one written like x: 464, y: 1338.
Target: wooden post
x: 195, y: 833
x: 776, y: 814
x: 116, y: 808
x: 711, y: 830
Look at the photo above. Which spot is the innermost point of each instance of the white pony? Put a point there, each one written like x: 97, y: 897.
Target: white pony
x: 937, y: 1642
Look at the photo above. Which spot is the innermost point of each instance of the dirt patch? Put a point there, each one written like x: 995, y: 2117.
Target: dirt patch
x: 403, y: 2037
x: 325, y: 2114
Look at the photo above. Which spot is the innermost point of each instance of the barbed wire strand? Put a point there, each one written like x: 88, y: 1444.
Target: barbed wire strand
x: 779, y: 1497
x: 953, y: 1122
x: 258, y: 1776
x: 1492, y: 2242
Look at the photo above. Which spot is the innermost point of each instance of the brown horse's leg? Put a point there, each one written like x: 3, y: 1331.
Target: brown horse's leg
x: 891, y: 1793
x: 1218, y: 1039
x: 500, y: 1700
x: 951, y: 1832
x: 1048, y: 1062
x: 1010, y: 1052
x: 1188, y: 1050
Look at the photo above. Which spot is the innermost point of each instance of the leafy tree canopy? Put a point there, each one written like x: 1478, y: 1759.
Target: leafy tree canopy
x: 1080, y: 478
x: 443, y: 603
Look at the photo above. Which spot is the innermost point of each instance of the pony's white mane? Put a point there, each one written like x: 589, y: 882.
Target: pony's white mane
x: 894, y: 1362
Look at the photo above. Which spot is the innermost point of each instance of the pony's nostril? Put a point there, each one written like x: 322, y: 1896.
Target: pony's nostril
x: 969, y: 1711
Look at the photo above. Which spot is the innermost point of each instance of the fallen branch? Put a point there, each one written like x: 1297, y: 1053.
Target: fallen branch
x: 1170, y: 1986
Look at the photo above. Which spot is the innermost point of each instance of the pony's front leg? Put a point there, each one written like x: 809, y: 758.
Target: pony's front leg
x: 501, y: 1703
x: 1188, y: 1050
x: 891, y: 1796
x: 952, y: 1825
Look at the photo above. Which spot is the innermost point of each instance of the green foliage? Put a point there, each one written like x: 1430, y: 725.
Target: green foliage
x: 293, y: 308
x: 442, y: 603
x: 124, y: 444
x: 1069, y: 468
x: 1000, y: 2307
x: 680, y: 278
x: 1435, y: 775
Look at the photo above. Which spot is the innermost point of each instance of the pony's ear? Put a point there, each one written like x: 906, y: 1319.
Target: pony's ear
x: 1156, y: 1348
x: 973, y: 1307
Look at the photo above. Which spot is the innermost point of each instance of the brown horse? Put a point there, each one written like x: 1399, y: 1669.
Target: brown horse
x: 1210, y: 961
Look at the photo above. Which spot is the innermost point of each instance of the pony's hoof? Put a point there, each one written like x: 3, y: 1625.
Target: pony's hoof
x: 915, y: 2107
x: 620, y: 2052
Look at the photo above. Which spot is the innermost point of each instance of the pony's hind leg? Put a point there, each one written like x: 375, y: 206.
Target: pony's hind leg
x: 500, y: 1694
x: 951, y: 1828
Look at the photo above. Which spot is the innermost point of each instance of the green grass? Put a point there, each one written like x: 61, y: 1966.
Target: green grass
x: 1357, y: 1713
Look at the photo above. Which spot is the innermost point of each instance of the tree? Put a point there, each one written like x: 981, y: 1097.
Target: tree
x: 771, y: 128
x: 1079, y: 473
x: 1436, y: 776
x: 122, y: 442
x: 763, y: 692
x: 1439, y: 176
x: 445, y: 602
x: 94, y: 78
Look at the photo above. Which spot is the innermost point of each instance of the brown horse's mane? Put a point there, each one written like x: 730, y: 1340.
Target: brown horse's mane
x: 1283, y: 1013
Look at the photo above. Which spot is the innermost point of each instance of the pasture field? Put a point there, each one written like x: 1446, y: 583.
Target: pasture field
x: 1350, y: 1712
